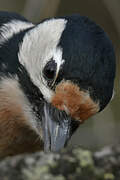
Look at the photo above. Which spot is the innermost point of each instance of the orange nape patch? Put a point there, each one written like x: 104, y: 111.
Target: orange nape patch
x: 69, y: 97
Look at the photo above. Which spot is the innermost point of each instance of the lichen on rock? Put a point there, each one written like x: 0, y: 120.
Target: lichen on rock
x: 73, y: 164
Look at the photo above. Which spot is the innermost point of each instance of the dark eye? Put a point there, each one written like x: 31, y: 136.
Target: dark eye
x: 50, y: 70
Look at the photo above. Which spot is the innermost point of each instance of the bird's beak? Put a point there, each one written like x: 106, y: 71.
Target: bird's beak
x: 56, y: 128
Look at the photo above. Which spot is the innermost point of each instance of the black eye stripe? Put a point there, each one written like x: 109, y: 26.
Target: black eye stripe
x: 49, y: 70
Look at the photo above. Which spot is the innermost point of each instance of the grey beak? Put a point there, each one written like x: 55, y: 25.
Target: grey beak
x: 56, y: 128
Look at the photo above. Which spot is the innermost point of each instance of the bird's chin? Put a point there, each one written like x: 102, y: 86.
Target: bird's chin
x: 56, y: 128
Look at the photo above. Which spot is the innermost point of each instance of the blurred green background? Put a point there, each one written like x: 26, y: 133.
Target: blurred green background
x: 104, y: 128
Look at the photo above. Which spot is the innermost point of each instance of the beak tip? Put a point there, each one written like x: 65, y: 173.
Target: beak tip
x: 56, y: 130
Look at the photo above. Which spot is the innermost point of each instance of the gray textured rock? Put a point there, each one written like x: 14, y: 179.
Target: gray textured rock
x: 72, y: 164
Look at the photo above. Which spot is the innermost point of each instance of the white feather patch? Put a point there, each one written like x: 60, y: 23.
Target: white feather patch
x: 11, y: 28
x: 38, y: 47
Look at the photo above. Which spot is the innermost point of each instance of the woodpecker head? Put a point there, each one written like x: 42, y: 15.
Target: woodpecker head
x: 67, y: 70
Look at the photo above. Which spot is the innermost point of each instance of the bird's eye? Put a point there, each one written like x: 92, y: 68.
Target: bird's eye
x: 50, y: 70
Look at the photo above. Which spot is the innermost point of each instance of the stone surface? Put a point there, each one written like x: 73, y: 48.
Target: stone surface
x: 72, y: 164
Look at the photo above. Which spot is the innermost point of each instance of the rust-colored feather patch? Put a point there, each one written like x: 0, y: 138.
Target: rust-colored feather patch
x: 78, y: 103
x: 16, y: 133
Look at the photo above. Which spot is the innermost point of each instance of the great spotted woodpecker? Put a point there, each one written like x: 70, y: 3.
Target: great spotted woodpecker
x: 53, y: 76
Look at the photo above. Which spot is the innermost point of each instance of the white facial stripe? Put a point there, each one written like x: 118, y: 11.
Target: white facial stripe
x: 38, y: 47
x: 11, y: 28
x: 57, y: 57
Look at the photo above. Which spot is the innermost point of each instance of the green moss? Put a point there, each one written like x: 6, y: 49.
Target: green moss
x: 78, y: 170
x: 109, y: 176
x: 84, y: 157
x: 53, y: 164
x: 35, y: 173
x: 60, y: 177
x: 69, y: 159
x: 41, y: 173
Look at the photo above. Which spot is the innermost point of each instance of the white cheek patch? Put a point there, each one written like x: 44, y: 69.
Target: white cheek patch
x: 13, y: 27
x: 38, y: 47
